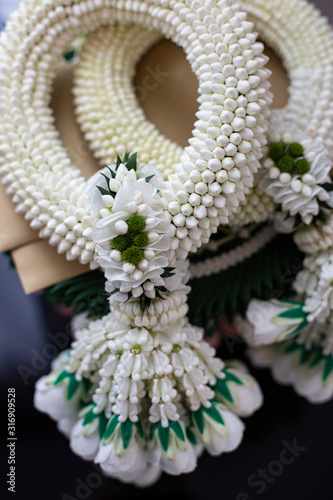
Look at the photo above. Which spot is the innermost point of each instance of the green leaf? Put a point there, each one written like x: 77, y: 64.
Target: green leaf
x: 230, y: 376
x: 222, y: 388
x: 102, y: 424
x: 64, y: 374
x: 214, y: 414
x: 294, y: 313
x: 126, y: 157
x: 112, y: 173
x: 86, y: 384
x: 85, y: 293
x: 149, y: 178
x: 305, y: 355
x: 177, y: 428
x: 199, y: 419
x: 294, y: 346
x: 111, y: 427
x: 72, y: 386
x: 229, y: 291
x: 191, y: 437
x: 328, y: 368
x: 164, y: 435
x: 106, y: 178
x: 103, y: 191
x: 328, y: 186
x: 119, y: 161
x: 90, y: 416
x: 126, y: 432
x: 139, y: 429
x: 132, y: 162
x: 168, y: 272
x: 317, y: 358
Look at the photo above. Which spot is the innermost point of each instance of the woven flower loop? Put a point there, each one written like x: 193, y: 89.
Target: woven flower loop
x: 140, y: 391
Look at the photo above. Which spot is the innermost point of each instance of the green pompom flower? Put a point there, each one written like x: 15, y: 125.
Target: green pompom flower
x: 141, y: 240
x: 286, y: 164
x: 302, y: 166
x: 276, y: 151
x: 133, y: 255
x: 121, y: 242
x: 136, y: 223
x: 295, y: 149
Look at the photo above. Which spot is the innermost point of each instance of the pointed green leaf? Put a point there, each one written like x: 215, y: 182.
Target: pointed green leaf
x: 132, y: 162
x: 199, y: 419
x: 112, y: 173
x: 294, y: 346
x: 126, y: 157
x: 222, y: 388
x: 164, y: 435
x: 328, y: 368
x: 111, y: 427
x: 317, y: 358
x: 294, y: 313
x: 106, y: 178
x: 126, y: 432
x: 230, y: 376
x: 103, y: 191
x: 191, y: 437
x: 90, y: 416
x: 139, y: 429
x: 102, y: 424
x: 119, y: 161
x: 177, y: 428
x: 305, y: 355
x: 86, y: 384
x: 147, y: 179
x: 64, y: 374
x: 214, y: 414
x: 72, y: 386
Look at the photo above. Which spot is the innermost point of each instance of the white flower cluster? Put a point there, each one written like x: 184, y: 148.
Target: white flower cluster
x: 298, y: 193
x: 138, y: 401
x: 132, y: 235
x: 306, y: 362
x: 315, y: 238
x: 315, y: 284
x: 256, y: 208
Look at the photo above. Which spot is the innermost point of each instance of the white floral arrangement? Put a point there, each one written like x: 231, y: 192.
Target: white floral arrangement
x: 140, y: 391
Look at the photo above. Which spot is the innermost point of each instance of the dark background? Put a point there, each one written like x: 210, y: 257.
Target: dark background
x: 46, y: 469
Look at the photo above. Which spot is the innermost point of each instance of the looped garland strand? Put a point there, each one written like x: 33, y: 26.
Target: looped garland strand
x: 38, y: 169
x: 140, y: 391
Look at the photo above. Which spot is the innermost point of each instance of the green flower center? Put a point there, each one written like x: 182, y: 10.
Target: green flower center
x: 133, y: 255
x: 276, y: 151
x: 136, y: 349
x: 295, y: 149
x: 141, y: 240
x: 136, y: 223
x: 121, y: 242
x: 176, y: 348
x: 286, y: 164
x: 289, y: 157
x: 302, y: 166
